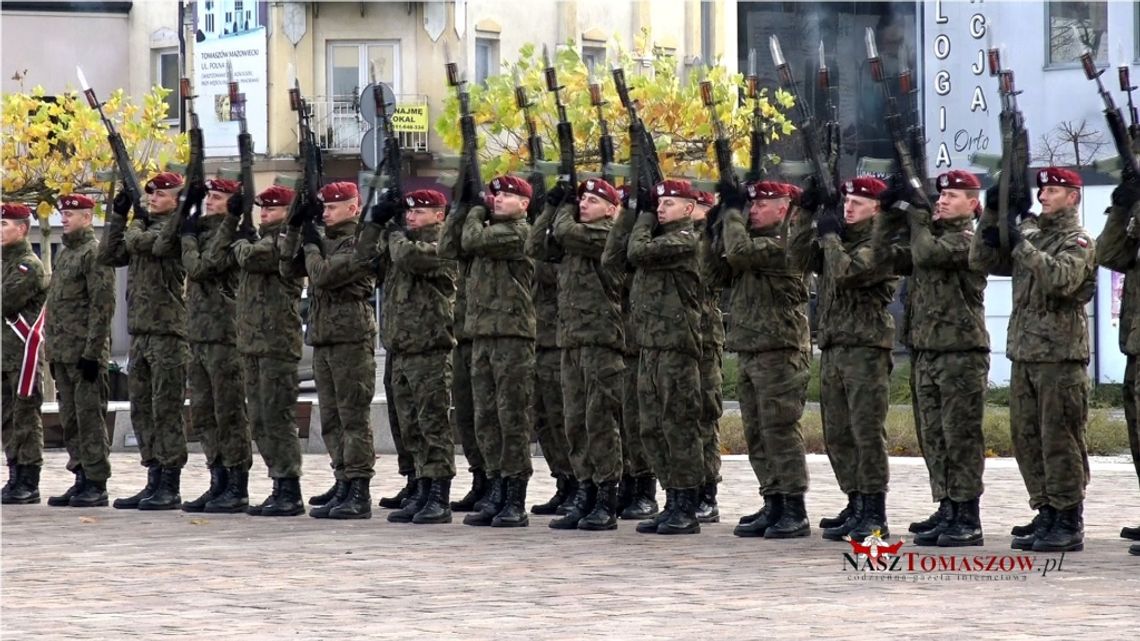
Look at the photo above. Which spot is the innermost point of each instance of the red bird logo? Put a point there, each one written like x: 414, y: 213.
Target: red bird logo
x: 874, y: 547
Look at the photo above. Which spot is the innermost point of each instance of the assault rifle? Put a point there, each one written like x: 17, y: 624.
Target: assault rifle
x: 245, y: 149
x: 1127, y: 87
x: 1116, y: 126
x: 806, y: 125
x: 118, y: 148
x: 469, y: 175
x: 386, y: 176
x: 720, y: 143
x: 566, y: 169
x: 916, y: 133
x: 195, y: 171
x: 307, y: 142
x: 832, y: 134
x: 533, y: 144
x: 648, y: 163
x: 1014, y: 145
x: 605, y: 141
x: 899, y: 138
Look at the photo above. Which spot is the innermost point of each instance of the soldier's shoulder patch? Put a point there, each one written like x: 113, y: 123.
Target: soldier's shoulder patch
x: 23, y: 268
x: 1082, y: 240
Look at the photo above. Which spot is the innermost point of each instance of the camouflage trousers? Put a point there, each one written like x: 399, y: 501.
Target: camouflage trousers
x: 83, y: 417
x: 549, y: 419
x: 502, y: 382
x: 405, y: 462
x: 712, y: 407
x: 217, y: 405
x: 669, y: 412
x: 951, y: 389
x: 271, y: 391
x: 1131, y: 398
x: 157, y: 388
x: 854, y: 393
x: 635, y: 460
x: 937, y: 485
x: 464, y: 406
x: 23, y: 427
x: 345, y: 374
x: 772, y: 387
x: 1048, y: 412
x: 422, y: 384
x: 591, y: 388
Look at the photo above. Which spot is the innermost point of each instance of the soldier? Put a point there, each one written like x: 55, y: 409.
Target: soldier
x: 1116, y: 249
x: 712, y: 356
x: 500, y: 318
x: 268, y: 341
x: 1053, y: 265
x: 24, y: 293
x: 217, y: 400
x: 774, y: 348
x: 77, y: 333
x: 342, y: 332
x: 856, y: 334
x: 156, y: 319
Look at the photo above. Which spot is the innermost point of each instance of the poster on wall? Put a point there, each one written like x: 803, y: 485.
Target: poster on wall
x: 233, y: 32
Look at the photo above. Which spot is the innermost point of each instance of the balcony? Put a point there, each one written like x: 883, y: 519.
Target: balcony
x: 340, y: 127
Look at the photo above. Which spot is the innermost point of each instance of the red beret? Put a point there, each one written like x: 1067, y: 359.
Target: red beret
x: 865, y: 186
x: 223, y: 185
x: 1060, y: 177
x: 165, y: 180
x: 339, y: 192
x: 511, y: 185
x: 676, y: 188
x: 425, y: 198
x: 275, y: 196
x: 706, y: 198
x: 767, y: 190
x: 958, y: 179
x: 74, y: 201
x: 794, y: 191
x: 16, y: 211
x: 601, y: 189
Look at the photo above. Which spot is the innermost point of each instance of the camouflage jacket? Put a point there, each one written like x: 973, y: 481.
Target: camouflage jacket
x: 80, y: 302
x: 615, y: 258
x: 24, y: 291
x: 589, y: 294
x: 768, y: 292
x: 419, y: 293
x: 666, y: 293
x: 545, y: 291
x: 156, y: 278
x: 268, y: 303
x: 712, y: 320
x: 1116, y: 249
x: 499, y: 302
x: 1054, y: 277
x: 451, y: 246
x: 341, y: 286
x: 211, y: 286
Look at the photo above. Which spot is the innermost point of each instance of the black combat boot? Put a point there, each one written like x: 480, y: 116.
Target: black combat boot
x: 1028, y: 528
x: 1042, y: 523
x: 708, y: 511
x: 219, y: 481
x: 255, y: 509
x: 550, y: 507
x: 92, y: 494
x: 11, y: 480
x: 357, y: 504
x: 568, y: 502
x: 627, y: 489
x: 492, y: 503
x: 854, y: 517
x: 683, y: 518
x: 943, y: 513
x: 643, y: 504
x: 396, y: 502
x: 759, y: 522
x: 26, y: 489
x: 235, y: 498
x: 153, y: 471
x: 649, y: 526
x: 579, y: 508
x: 604, y: 514
x: 874, y: 518
x: 793, y: 520
x: 966, y: 528
x: 1134, y: 549
x: 1132, y: 533
x: 287, y: 501
x: 844, y: 514
x: 329, y: 494
x: 478, y: 489
x: 513, y: 513
x: 930, y: 536
x: 64, y: 499
x: 322, y: 511
x: 437, y: 508
x: 417, y: 499
x: 166, y: 496
x: 1067, y: 533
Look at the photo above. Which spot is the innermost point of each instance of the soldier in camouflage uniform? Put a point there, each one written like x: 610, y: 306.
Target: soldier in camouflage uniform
x: 217, y: 399
x: 156, y: 318
x: 1117, y: 249
x: 77, y: 334
x: 268, y: 341
x: 342, y: 331
x: 24, y: 293
x: 712, y: 357
x: 500, y: 318
x: 856, y: 334
x: 1053, y: 264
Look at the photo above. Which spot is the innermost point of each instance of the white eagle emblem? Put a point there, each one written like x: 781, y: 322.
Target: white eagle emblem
x: 411, y: 202
x: 589, y: 184
x: 1044, y: 176
x: 660, y: 190
x: 945, y: 180
x: 849, y: 186
x: 495, y: 184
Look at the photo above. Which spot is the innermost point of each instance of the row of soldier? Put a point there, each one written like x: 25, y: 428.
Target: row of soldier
x: 597, y: 322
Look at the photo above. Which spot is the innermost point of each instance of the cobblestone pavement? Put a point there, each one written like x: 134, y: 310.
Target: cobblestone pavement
x: 107, y: 574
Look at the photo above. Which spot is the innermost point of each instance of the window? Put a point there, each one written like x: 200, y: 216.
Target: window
x: 351, y: 66
x: 167, y: 75
x: 486, y: 59
x: 594, y: 57
x: 1073, y: 26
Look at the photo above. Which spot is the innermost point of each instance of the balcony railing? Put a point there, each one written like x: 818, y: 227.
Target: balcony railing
x: 340, y: 127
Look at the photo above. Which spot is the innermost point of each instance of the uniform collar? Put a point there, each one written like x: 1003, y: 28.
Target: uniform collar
x: 78, y: 237
x: 341, y: 229
x: 1064, y: 219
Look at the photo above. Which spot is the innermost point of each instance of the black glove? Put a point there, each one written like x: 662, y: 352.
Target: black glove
x: 196, y: 192
x: 310, y: 234
x: 559, y: 193
x: 190, y: 225
x: 731, y: 195
x: 388, y: 208
x: 1014, y: 234
x: 89, y: 369
x: 122, y: 203
x: 1126, y: 195
x: 297, y: 212
x: 314, y: 209
x: 235, y: 205
x: 815, y: 196
x: 990, y: 237
x: 646, y: 200
x: 896, y: 190
x: 1020, y: 201
x: 829, y: 222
